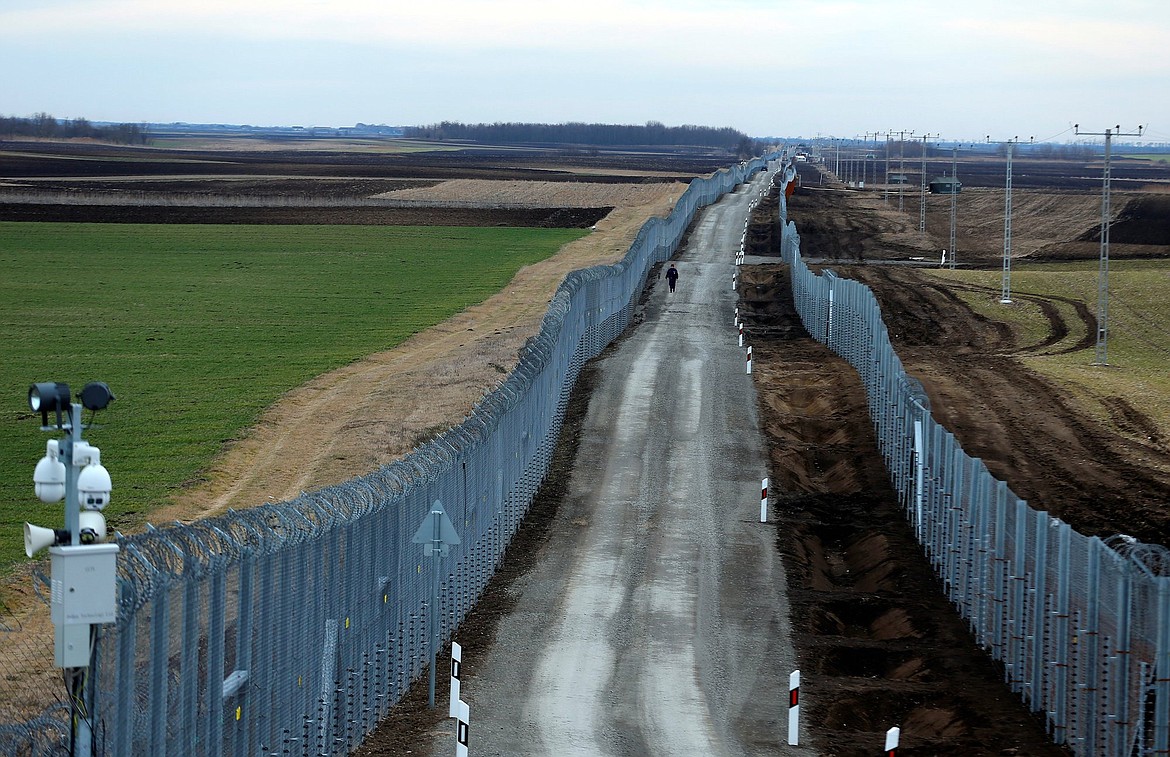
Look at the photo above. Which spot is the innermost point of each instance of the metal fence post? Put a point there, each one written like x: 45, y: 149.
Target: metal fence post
x: 1091, y: 639
x: 1162, y: 671
x: 1039, y: 610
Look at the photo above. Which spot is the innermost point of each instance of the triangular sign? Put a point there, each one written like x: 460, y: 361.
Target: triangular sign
x: 426, y: 533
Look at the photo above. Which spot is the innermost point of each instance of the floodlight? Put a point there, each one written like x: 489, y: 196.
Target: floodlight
x: 96, y: 396
x: 46, y: 396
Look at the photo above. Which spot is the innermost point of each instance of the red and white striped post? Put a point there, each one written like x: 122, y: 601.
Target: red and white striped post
x: 892, y: 737
x: 764, y: 501
x: 741, y: 336
x: 749, y: 360
x: 456, y: 664
x: 794, y: 708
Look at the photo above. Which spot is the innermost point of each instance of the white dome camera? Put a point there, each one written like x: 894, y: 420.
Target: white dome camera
x: 49, y: 476
x: 94, y: 486
x: 93, y: 482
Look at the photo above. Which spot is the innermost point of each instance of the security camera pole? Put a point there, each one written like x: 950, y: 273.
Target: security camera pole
x: 84, y: 571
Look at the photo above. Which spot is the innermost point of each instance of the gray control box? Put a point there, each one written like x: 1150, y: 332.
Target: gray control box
x: 84, y: 584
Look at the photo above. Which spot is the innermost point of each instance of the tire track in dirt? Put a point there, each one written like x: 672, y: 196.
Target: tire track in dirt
x: 1058, y: 328
x: 1103, y: 479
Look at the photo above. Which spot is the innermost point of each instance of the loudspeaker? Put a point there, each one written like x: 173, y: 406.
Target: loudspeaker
x: 91, y: 527
x: 37, y: 538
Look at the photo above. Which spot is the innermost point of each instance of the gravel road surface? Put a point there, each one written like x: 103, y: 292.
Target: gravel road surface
x: 655, y: 622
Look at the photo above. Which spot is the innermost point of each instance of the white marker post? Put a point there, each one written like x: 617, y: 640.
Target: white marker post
x: 794, y: 708
x: 919, y: 475
x: 892, y: 737
x: 741, y: 336
x: 749, y: 360
x: 764, y: 501
x: 456, y: 669
x: 463, y: 725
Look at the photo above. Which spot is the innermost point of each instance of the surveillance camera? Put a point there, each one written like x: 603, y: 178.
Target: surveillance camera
x: 49, y: 475
x: 91, y: 527
x: 94, y: 486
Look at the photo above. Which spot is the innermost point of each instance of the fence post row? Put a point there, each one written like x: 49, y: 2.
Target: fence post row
x: 293, y: 627
x: 1082, y: 626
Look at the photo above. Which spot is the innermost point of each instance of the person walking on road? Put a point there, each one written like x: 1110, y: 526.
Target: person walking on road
x: 672, y: 277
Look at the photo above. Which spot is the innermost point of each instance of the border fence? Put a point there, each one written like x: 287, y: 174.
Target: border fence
x: 1080, y: 624
x: 292, y: 628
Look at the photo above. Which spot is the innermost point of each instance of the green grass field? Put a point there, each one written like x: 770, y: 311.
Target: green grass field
x: 1139, y: 329
x: 198, y: 328
x: 1160, y: 157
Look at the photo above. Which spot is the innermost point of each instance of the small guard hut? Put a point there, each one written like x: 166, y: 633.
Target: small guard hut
x: 946, y: 185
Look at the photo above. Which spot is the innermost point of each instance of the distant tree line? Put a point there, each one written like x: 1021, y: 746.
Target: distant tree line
x: 46, y: 126
x: 653, y: 134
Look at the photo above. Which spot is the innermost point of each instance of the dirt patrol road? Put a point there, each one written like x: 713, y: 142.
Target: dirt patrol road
x: 655, y: 623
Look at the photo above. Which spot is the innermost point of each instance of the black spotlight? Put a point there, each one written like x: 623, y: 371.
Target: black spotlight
x: 46, y: 396
x: 96, y: 396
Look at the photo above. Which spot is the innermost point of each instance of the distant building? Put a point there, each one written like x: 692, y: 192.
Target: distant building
x: 898, y: 178
x: 946, y: 185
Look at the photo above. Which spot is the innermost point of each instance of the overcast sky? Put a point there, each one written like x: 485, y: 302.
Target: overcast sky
x: 767, y: 67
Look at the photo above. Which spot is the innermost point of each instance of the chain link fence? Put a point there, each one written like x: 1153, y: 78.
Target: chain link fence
x: 1080, y: 624
x: 292, y: 628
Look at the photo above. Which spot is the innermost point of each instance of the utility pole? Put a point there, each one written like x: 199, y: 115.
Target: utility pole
x: 902, y: 169
x: 1102, y: 354
x: 1006, y: 288
x: 867, y: 156
x: 954, y: 198
x: 886, y: 134
x: 922, y: 199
